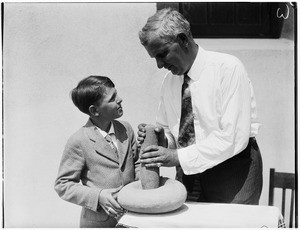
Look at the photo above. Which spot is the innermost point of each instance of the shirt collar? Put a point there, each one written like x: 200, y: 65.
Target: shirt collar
x: 198, y: 65
x: 111, y: 130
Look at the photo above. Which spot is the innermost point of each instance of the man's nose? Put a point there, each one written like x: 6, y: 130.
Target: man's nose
x: 159, y: 63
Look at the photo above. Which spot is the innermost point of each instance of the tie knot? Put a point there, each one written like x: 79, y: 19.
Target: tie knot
x: 108, y: 138
x: 186, y: 79
x: 111, y: 143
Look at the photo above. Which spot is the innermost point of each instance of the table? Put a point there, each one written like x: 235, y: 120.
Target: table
x: 207, y: 215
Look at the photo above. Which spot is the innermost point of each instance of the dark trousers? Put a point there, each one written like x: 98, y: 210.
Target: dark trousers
x: 91, y: 219
x: 236, y: 180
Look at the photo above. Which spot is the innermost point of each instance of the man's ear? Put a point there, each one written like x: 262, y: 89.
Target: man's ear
x: 93, y: 110
x: 182, y: 39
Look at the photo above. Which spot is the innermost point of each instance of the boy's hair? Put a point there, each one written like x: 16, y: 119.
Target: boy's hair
x: 89, y: 90
x: 165, y: 24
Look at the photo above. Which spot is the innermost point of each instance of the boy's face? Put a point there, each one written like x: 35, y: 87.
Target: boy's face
x: 109, y: 106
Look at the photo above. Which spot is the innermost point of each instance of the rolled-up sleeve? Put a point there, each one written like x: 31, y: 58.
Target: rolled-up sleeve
x: 226, y: 107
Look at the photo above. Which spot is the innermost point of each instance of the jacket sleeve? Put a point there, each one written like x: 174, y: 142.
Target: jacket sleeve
x: 135, y: 153
x: 68, y: 185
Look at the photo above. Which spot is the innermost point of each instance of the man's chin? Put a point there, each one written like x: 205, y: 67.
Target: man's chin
x: 174, y: 71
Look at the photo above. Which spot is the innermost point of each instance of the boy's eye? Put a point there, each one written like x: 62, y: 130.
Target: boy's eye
x: 112, y: 98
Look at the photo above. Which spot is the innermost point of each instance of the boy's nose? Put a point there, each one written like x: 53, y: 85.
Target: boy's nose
x: 119, y: 100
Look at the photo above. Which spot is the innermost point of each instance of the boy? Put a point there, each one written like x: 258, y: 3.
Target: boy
x: 102, y: 155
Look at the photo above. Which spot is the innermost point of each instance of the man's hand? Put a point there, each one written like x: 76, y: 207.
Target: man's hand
x: 108, y: 201
x: 141, y: 134
x: 156, y: 156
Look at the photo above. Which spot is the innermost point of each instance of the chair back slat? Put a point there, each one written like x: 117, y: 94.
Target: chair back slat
x: 283, y: 181
x: 291, y: 210
x: 283, y: 203
x: 271, y: 187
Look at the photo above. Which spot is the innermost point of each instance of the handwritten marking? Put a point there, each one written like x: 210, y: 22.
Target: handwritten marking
x: 281, y: 15
x: 292, y: 4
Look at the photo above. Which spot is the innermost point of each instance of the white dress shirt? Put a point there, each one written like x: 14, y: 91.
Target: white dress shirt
x: 111, y: 133
x: 224, y: 108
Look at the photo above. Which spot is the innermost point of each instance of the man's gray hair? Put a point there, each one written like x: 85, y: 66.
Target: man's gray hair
x: 165, y: 24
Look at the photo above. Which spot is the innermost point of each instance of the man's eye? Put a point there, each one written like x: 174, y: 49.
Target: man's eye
x: 162, y: 55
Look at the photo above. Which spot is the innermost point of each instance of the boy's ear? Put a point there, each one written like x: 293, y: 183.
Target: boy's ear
x: 182, y: 39
x: 93, y: 110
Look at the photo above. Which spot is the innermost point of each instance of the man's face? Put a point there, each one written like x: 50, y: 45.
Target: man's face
x: 109, y: 106
x: 170, y: 55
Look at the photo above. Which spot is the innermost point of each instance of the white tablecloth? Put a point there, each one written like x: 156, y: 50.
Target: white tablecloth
x: 207, y: 215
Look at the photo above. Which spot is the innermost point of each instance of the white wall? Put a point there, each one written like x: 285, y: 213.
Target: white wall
x: 48, y: 48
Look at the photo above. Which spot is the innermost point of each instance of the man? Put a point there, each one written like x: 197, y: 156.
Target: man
x: 207, y: 118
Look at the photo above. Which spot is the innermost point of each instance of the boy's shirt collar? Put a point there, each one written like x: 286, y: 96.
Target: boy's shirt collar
x: 110, y: 133
x: 111, y: 130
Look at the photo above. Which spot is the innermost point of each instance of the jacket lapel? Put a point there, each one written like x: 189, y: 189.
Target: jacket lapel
x: 122, y: 141
x: 100, y: 145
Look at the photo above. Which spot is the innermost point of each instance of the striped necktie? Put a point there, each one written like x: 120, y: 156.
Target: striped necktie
x: 111, y: 143
x: 186, y: 134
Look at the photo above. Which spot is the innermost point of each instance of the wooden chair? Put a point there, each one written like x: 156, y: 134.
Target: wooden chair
x: 283, y: 181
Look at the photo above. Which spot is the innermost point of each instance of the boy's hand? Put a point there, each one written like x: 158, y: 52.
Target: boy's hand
x: 162, y: 140
x: 141, y: 134
x: 108, y: 201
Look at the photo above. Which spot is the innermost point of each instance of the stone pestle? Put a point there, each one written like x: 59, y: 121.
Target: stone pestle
x: 152, y: 193
x: 149, y: 176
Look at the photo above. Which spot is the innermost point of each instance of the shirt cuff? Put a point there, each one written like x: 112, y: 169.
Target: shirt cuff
x: 188, y: 158
x: 93, y: 202
x: 182, y: 160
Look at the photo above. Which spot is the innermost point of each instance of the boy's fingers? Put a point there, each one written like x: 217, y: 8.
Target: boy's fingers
x: 141, y: 138
x: 116, y: 205
x: 141, y: 133
x: 112, y: 212
x: 142, y: 126
x: 158, y: 128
